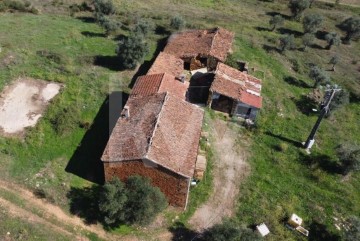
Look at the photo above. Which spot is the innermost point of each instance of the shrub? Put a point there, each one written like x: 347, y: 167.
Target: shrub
x: 177, y: 22
x: 332, y: 39
x: 349, y: 157
x: 132, y: 50
x: 66, y: 120
x: 276, y: 21
x: 334, y: 60
x: 297, y: 7
x: 144, y: 200
x: 312, y: 22
x: 352, y: 28
x: 341, y: 98
x: 287, y: 42
x: 105, y: 7
x: 109, y: 24
x: 112, y: 201
x: 319, y: 76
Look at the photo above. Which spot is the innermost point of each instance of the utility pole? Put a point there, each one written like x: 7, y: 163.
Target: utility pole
x: 324, y: 110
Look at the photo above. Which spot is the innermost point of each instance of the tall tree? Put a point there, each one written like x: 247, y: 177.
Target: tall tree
x: 132, y: 50
x: 307, y: 40
x: 297, y: 7
x: 312, y: 22
x: 276, y: 21
x: 287, y: 42
x: 319, y: 76
x: 352, y: 28
x: 332, y: 39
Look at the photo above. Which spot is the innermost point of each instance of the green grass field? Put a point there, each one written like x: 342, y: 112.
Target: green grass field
x: 281, y: 181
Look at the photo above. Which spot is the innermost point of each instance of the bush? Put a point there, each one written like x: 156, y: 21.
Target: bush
x: 332, y: 39
x: 349, y: 157
x: 177, y: 22
x: 312, y: 22
x: 307, y: 40
x: 110, y: 25
x: 105, y: 7
x: 132, y: 50
x: 297, y: 7
x: 66, y: 120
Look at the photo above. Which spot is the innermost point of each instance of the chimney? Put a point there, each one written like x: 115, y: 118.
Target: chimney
x: 126, y: 112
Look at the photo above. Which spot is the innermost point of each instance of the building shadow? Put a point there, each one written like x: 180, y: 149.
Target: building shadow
x: 289, y: 31
x: 323, y: 162
x: 92, y: 34
x: 285, y: 139
x: 182, y: 233
x: 144, y: 67
x: 320, y: 233
x: 85, y: 161
x: 161, y: 30
x: 296, y: 82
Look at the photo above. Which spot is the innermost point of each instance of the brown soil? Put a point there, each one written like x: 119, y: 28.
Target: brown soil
x: 230, y: 169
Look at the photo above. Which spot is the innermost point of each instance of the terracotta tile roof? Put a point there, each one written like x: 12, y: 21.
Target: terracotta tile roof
x: 209, y: 42
x: 158, y: 83
x: 167, y: 63
x: 161, y: 128
x: 237, y: 85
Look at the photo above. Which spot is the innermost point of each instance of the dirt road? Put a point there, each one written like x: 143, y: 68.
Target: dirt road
x: 229, y: 169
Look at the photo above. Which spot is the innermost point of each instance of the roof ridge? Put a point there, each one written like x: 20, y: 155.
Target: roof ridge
x: 156, y: 124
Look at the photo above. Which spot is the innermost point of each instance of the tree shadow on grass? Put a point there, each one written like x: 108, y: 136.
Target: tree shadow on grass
x: 109, y: 62
x: 86, y: 19
x: 289, y: 31
x: 324, y: 162
x: 161, y: 30
x: 269, y: 48
x: 321, y: 34
x: 85, y: 161
x: 318, y: 232
x: 296, y: 82
x: 262, y: 29
x: 144, y: 68
x: 84, y: 203
x: 92, y: 34
x: 306, y: 106
x: 182, y: 233
x: 285, y: 139
x: 284, y: 16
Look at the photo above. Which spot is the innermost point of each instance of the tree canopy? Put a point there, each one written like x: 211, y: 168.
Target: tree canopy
x: 332, y: 39
x: 319, y: 76
x: 349, y: 157
x: 177, y: 22
x: 353, y: 233
x: 276, y: 21
x: 352, y: 28
x: 297, y: 7
x: 287, y: 42
x: 312, y: 22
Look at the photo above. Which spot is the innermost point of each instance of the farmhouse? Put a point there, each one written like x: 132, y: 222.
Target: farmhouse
x: 235, y: 92
x: 201, y: 48
x: 157, y: 136
x: 158, y: 83
x: 167, y: 63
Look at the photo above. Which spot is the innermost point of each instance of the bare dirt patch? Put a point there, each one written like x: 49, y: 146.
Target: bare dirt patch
x: 23, y: 102
x: 230, y: 169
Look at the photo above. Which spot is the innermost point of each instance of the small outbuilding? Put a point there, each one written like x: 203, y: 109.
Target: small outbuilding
x: 235, y: 92
x: 201, y: 48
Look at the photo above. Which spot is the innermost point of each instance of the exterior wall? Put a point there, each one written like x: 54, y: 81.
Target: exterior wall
x: 174, y: 186
x: 243, y: 112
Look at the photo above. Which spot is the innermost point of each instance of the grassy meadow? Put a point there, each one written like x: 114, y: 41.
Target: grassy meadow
x: 284, y: 179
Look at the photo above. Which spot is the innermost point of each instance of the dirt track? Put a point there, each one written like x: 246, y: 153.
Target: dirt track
x: 229, y: 169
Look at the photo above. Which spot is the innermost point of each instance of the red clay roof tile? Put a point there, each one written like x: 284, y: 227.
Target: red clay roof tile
x: 167, y: 63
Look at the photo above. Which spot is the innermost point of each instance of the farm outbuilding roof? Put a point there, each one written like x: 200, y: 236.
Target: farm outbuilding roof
x: 208, y: 42
x: 161, y: 128
x: 167, y: 63
x: 237, y: 85
x: 158, y: 83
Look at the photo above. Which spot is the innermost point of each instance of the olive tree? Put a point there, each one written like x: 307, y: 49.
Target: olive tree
x: 287, y: 42
x: 132, y: 50
x: 312, y: 22
x: 334, y: 60
x: 307, y: 40
x: 319, y: 76
x: 276, y: 21
x: 352, y: 28
x: 332, y: 39
x: 144, y: 27
x: 297, y: 7
x: 349, y: 157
